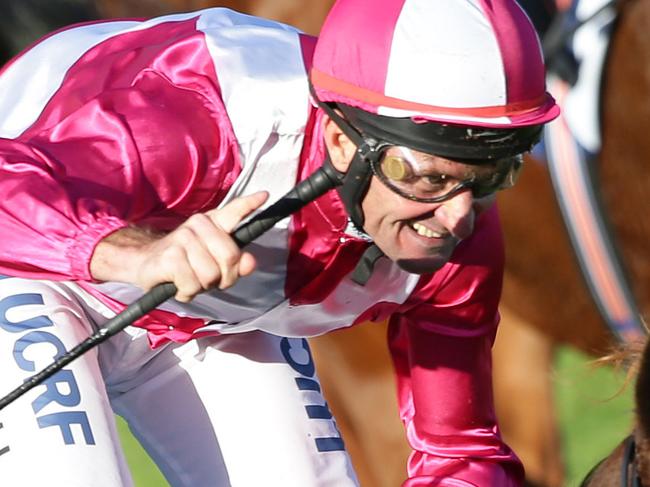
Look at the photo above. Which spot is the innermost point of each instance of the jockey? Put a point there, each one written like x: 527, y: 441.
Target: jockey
x: 131, y: 150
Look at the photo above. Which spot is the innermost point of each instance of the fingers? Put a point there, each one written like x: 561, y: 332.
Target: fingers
x: 217, y: 239
x: 215, y: 254
x: 234, y: 212
x: 201, y: 254
x: 246, y: 264
x: 196, y: 270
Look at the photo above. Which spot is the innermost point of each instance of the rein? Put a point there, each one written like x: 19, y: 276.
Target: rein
x: 629, y: 473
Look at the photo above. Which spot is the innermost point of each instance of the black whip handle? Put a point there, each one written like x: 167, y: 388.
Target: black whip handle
x: 320, y: 182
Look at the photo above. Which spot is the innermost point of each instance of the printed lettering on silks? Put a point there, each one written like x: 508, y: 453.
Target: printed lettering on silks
x: 297, y: 354
x: 62, y: 387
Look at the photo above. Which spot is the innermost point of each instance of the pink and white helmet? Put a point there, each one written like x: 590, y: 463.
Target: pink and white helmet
x: 465, y: 62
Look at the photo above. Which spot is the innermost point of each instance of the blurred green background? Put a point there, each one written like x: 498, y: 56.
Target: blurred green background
x: 594, y: 416
x: 594, y: 413
x: 145, y: 473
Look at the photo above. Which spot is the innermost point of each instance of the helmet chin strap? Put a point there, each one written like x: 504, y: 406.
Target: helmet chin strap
x: 356, y: 180
x: 353, y: 188
x: 355, y: 183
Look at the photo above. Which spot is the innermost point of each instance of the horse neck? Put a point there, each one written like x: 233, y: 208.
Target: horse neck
x: 642, y: 456
x: 642, y: 430
x: 624, y: 172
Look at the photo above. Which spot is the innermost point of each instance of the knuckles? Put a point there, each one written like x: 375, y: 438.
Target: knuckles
x: 194, y: 258
x: 199, y: 219
x: 183, y: 236
x: 231, y: 257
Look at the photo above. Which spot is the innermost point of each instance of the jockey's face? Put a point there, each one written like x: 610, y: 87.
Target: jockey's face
x: 419, y: 237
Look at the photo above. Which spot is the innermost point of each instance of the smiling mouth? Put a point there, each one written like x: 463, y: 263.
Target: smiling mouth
x: 423, y: 231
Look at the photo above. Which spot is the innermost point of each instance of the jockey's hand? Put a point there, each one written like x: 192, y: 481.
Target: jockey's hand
x: 198, y: 255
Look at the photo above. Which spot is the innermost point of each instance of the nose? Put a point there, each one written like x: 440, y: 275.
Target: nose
x: 457, y: 214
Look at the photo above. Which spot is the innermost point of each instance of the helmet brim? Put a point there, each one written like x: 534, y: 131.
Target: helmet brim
x: 471, y: 143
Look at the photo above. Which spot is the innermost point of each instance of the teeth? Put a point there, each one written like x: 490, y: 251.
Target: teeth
x: 424, y: 231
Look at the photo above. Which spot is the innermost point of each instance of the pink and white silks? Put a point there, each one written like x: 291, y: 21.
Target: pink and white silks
x: 147, y: 122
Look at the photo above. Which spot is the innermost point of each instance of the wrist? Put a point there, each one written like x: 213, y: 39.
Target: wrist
x: 118, y: 256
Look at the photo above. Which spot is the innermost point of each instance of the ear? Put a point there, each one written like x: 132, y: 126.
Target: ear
x: 341, y: 149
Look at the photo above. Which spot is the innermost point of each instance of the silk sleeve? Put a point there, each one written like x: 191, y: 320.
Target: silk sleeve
x: 148, y: 144
x: 442, y: 354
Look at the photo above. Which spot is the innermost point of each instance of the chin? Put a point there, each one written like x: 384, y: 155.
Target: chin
x: 422, y: 266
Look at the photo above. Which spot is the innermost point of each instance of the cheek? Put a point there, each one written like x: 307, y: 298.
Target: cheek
x: 380, y: 202
x: 371, y: 206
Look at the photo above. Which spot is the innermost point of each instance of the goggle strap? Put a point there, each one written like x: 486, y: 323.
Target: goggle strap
x: 354, y: 188
x: 357, y: 178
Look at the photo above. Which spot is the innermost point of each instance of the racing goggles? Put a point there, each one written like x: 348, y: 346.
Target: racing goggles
x: 430, y: 179
x: 400, y: 152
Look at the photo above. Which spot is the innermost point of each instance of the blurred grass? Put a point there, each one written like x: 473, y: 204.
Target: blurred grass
x: 144, y: 471
x: 593, y: 418
x: 594, y: 414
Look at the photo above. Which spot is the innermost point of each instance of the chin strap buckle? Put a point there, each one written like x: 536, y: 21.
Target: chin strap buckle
x: 366, y: 264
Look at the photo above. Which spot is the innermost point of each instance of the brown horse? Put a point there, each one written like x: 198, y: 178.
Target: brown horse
x: 543, y: 288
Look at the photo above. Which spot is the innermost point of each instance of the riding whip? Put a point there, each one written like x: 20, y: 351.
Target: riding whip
x: 320, y: 182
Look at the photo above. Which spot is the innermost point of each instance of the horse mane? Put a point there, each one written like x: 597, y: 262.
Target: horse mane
x: 631, y: 458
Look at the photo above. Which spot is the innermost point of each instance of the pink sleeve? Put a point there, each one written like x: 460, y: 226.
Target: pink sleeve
x: 442, y: 354
x: 149, y: 145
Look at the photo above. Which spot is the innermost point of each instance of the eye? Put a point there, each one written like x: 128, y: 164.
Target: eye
x: 437, y: 180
